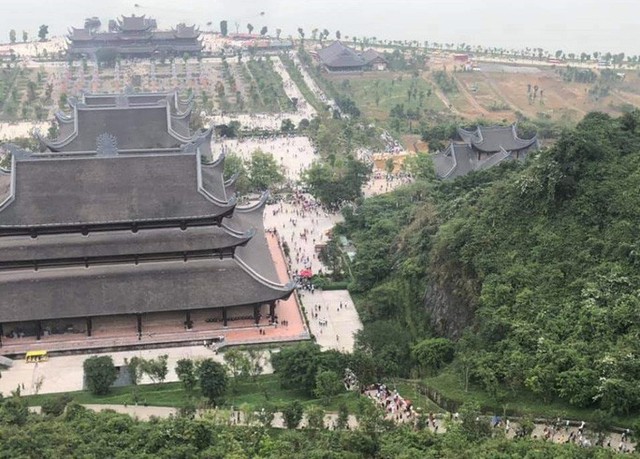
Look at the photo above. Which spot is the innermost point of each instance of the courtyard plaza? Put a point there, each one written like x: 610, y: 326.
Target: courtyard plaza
x: 294, y: 154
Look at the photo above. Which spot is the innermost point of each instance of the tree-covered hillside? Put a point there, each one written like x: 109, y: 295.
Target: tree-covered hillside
x: 534, y: 270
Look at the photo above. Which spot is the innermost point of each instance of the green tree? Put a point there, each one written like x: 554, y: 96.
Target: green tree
x: 328, y: 384
x: 234, y: 165
x: 14, y: 410
x: 296, y: 366
x: 266, y: 415
x: 156, y: 368
x: 55, y: 406
x: 315, y: 418
x: 238, y: 365
x: 224, y: 28
x: 213, y: 379
x: 186, y: 371
x: 263, y: 31
x: 100, y: 373
x: 25, y: 36
x: 287, y: 125
x: 342, y: 421
x: 135, y: 365
x: 250, y: 28
x: 12, y: 36
x: 431, y: 353
x: 264, y: 171
x: 292, y: 414
x: 43, y: 31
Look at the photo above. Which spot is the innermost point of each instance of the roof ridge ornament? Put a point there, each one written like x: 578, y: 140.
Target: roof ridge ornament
x: 106, y: 144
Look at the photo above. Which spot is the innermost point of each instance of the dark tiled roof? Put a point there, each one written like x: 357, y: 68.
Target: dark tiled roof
x: 493, y: 139
x: 81, y: 34
x: 99, y: 290
x: 164, y: 115
x: 5, y: 185
x: 338, y: 55
x: 117, y: 243
x: 256, y: 253
x: 57, y: 190
x: 184, y: 31
x: 134, y: 23
x: 371, y: 55
x: 455, y: 161
x: 212, y: 179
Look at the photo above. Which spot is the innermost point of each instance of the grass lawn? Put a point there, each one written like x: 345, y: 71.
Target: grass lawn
x: 520, y: 402
x: 254, y: 394
x: 376, y: 93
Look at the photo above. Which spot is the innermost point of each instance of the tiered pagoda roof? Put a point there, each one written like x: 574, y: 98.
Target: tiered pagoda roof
x: 100, y: 120
x: 105, y: 232
x: 480, y: 149
x: 135, y: 36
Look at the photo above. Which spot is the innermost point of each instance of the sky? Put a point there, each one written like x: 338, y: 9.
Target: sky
x: 569, y: 25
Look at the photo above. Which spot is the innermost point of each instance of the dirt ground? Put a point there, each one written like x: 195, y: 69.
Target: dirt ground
x: 496, y: 94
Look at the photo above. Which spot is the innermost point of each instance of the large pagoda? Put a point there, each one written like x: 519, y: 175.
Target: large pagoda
x: 134, y: 36
x: 138, y: 244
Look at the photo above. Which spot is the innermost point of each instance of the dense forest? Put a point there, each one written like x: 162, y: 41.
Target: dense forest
x: 523, y: 277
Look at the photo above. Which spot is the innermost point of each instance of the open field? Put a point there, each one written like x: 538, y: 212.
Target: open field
x: 496, y: 93
x: 376, y: 93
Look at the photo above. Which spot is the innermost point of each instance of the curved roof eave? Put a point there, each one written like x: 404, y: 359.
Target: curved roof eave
x: 256, y: 206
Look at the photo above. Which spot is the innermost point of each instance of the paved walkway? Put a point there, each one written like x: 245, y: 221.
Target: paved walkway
x: 333, y: 326
x: 438, y: 424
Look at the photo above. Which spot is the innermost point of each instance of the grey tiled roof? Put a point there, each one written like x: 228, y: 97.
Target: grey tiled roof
x: 99, y: 290
x: 340, y: 56
x: 58, y: 190
x: 371, y: 55
x: 212, y: 179
x: 117, y: 243
x: 256, y: 253
x: 493, y: 139
x: 164, y: 116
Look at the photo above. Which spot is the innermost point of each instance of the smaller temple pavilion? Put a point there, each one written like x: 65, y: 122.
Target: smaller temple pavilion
x: 135, y: 36
x: 482, y: 148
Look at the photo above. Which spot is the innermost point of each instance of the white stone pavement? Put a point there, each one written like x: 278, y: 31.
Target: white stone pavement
x: 294, y: 153
x: 333, y: 326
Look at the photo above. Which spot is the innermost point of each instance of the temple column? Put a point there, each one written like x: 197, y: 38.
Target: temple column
x: 188, y: 320
x: 272, y: 310
x: 139, y: 319
x: 89, y: 326
x: 38, y: 330
x: 256, y: 313
x: 224, y: 316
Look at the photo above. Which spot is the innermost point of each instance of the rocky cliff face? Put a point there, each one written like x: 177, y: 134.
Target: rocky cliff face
x: 450, y: 312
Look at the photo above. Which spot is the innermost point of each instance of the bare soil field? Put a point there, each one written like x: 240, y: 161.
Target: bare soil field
x: 498, y: 94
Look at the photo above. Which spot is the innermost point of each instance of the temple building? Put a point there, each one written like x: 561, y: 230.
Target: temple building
x: 106, y: 247
x: 134, y: 36
x: 337, y: 57
x: 480, y: 149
